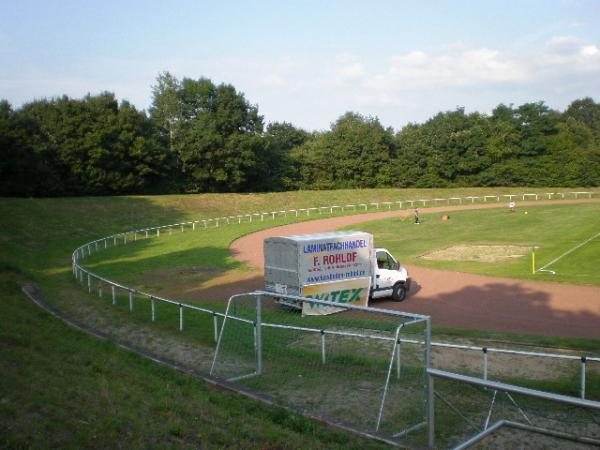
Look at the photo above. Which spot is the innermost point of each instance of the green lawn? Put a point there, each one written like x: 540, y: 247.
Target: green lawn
x: 61, y: 388
x: 551, y: 230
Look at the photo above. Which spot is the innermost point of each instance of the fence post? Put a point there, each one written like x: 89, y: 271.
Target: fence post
x: 89, y: 284
x: 430, y: 412
x: 158, y: 232
x: 100, y: 290
x: 114, y: 297
x: 153, y: 306
x: 429, y: 386
x: 323, y: 360
x: 485, y: 363
x: 180, y: 317
x: 582, y: 377
x: 398, y: 359
x: 259, y: 360
x: 130, y: 301
x: 216, y: 326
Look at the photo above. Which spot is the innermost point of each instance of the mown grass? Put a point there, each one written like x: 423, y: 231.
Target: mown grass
x: 61, y: 388
x: 56, y: 382
x: 552, y: 230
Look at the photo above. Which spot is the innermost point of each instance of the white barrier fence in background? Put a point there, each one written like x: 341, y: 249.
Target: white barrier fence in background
x: 306, y: 212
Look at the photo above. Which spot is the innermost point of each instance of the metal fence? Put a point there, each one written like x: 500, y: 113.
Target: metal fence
x: 465, y: 410
x: 96, y: 283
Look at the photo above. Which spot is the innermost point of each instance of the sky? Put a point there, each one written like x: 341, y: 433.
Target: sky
x: 309, y: 62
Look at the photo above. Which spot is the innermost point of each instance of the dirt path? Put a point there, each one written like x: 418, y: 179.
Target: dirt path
x: 463, y: 300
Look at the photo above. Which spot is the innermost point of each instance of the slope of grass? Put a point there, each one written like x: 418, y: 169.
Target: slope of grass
x: 61, y: 388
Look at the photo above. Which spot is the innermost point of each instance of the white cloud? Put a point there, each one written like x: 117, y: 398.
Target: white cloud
x: 447, y: 69
x: 350, y: 71
x: 313, y: 92
x: 589, y: 50
x: 455, y: 67
x: 567, y: 55
x: 273, y: 80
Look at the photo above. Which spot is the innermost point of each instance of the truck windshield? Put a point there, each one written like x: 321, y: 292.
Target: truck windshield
x: 385, y: 261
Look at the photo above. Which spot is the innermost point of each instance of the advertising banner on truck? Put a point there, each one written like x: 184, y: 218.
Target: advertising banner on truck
x: 353, y: 291
x: 335, y: 258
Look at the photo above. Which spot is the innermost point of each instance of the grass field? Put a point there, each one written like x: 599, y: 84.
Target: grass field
x: 36, y: 240
x: 551, y: 230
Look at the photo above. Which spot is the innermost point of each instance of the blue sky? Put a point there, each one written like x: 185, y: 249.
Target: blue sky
x: 308, y: 62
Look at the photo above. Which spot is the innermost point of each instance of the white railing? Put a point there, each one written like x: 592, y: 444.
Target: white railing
x: 85, y: 275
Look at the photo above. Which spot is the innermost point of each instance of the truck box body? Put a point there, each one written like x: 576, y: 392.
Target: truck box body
x: 336, y: 266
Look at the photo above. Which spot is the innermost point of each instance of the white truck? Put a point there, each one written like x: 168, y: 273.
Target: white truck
x: 341, y: 267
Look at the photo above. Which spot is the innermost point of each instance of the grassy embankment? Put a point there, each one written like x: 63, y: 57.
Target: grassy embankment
x: 37, y: 239
x: 60, y: 388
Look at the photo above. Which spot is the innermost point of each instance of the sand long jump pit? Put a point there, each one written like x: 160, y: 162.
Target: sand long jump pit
x: 490, y: 253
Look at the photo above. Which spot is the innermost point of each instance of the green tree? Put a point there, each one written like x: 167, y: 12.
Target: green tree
x: 536, y: 123
x: 585, y: 111
x: 357, y: 152
x: 218, y: 139
x: 449, y: 149
x: 166, y: 108
x: 19, y: 164
x: 94, y: 146
x: 412, y: 156
x: 279, y: 167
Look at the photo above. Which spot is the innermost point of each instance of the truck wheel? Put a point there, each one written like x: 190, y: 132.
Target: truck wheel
x: 399, y: 292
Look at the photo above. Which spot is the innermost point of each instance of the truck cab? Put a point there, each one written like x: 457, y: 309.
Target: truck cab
x: 390, y: 278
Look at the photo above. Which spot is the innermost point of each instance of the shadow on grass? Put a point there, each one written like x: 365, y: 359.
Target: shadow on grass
x: 40, y: 234
x: 200, y: 258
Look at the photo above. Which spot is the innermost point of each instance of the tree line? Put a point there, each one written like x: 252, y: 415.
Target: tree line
x: 202, y: 137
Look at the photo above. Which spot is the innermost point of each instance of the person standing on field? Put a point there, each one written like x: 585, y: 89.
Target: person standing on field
x: 417, y: 216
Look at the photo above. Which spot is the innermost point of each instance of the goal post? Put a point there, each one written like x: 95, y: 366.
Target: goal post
x: 364, y: 367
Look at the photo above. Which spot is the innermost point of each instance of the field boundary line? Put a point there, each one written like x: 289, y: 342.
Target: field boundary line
x: 568, y: 252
